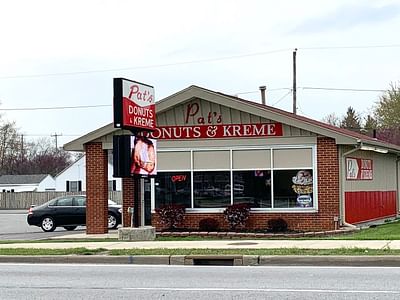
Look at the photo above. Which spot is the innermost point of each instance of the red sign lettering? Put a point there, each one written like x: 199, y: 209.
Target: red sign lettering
x: 178, y: 178
x: 140, y: 93
x: 138, y: 106
x: 192, y: 111
x: 217, y: 131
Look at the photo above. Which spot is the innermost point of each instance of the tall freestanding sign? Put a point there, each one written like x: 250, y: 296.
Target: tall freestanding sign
x: 134, y: 156
x: 134, y: 105
x: 134, y: 110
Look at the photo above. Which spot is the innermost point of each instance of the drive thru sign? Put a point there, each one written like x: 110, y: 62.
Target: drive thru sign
x: 134, y: 105
x: 359, y: 169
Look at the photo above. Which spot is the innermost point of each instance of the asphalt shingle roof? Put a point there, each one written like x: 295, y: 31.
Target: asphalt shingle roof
x: 22, y: 179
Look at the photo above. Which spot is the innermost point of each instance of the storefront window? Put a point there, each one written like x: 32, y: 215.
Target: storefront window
x: 271, y: 178
x: 293, y: 188
x: 173, y: 188
x: 253, y: 188
x: 211, y: 189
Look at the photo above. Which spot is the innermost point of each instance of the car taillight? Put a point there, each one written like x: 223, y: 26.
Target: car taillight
x: 120, y: 210
x: 30, y: 211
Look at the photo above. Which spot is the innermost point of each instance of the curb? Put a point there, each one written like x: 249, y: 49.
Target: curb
x: 226, y: 260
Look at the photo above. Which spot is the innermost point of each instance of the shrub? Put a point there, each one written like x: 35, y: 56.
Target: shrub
x: 277, y: 225
x: 208, y: 224
x: 171, y: 215
x: 237, y: 215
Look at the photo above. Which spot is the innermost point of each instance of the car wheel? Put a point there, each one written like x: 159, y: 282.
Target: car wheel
x: 48, y: 224
x: 112, y: 221
x: 70, y: 228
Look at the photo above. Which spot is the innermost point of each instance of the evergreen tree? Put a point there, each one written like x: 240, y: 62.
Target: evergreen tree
x: 370, y: 123
x: 351, y: 120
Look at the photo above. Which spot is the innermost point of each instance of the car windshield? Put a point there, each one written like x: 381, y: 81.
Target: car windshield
x: 110, y: 202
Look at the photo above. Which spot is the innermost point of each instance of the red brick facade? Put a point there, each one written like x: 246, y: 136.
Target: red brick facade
x: 328, y: 196
x: 96, y: 189
x: 328, y: 199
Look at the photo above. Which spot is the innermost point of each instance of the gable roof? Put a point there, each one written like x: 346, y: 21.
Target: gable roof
x: 70, y: 165
x: 22, y: 179
x: 83, y: 157
x: 341, y: 136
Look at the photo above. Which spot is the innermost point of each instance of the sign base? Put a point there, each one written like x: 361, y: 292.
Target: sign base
x: 144, y: 233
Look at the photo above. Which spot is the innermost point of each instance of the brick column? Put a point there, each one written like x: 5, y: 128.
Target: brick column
x: 128, y: 194
x: 96, y: 189
x: 328, y: 182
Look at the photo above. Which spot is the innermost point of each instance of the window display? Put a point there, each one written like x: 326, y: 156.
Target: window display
x: 293, y: 188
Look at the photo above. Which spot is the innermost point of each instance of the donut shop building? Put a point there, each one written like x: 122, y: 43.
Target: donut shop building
x: 214, y: 150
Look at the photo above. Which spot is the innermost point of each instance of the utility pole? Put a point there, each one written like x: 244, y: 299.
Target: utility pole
x: 55, y: 135
x: 22, y: 147
x: 294, y: 82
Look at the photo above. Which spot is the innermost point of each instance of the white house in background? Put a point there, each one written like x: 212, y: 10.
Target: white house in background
x: 73, y: 178
x: 27, y: 183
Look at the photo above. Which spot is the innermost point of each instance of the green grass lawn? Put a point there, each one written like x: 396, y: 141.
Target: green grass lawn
x: 33, y: 251
x: 133, y: 252
x: 389, y: 231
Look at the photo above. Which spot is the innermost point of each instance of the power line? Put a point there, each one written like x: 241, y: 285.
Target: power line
x: 196, y: 61
x: 242, y: 93
x: 283, y: 97
x: 50, y: 134
x: 145, y: 66
x: 268, y: 90
x: 54, y: 107
x: 340, y: 89
x: 350, y: 47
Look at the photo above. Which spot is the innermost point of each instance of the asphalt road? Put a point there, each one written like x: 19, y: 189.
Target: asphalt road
x: 13, y: 226
x: 44, y: 281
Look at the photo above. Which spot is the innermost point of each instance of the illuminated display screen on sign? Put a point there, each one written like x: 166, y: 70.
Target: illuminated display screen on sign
x: 143, y: 161
x: 134, y: 155
x: 134, y: 105
x: 359, y: 169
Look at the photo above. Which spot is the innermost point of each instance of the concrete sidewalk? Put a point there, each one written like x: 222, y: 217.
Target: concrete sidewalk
x: 204, y: 244
x: 235, y: 260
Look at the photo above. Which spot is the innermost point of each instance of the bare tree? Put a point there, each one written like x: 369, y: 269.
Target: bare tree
x: 43, y: 158
x: 387, y: 110
x: 10, y: 145
x: 19, y: 156
x: 332, y: 119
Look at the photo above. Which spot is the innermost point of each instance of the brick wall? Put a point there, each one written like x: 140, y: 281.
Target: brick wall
x: 96, y: 189
x: 128, y: 194
x: 328, y: 199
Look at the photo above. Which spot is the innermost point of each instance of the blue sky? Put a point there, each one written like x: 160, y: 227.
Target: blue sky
x: 65, y: 53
